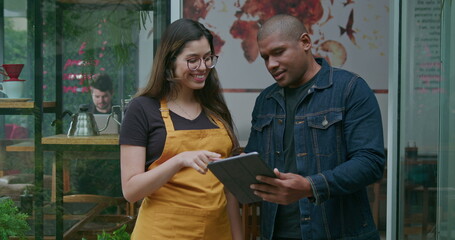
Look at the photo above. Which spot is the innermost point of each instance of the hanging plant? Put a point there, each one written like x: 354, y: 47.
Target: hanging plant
x: 114, y: 24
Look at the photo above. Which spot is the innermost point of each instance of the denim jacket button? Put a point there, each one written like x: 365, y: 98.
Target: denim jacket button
x: 277, y: 152
x: 325, y: 122
x: 280, y: 121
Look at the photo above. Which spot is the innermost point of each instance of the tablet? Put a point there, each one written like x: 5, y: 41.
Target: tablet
x: 239, y: 172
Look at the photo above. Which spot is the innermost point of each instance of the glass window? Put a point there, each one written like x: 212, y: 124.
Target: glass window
x: 446, y: 179
x: 96, y: 53
x: 426, y: 136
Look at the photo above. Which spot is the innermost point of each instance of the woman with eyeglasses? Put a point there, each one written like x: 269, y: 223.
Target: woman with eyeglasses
x: 172, y: 129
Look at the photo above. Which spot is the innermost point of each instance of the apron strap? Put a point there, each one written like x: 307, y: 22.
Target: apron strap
x: 166, y: 117
x: 217, y: 122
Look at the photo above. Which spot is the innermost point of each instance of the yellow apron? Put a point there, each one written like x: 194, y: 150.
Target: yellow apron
x: 190, y: 205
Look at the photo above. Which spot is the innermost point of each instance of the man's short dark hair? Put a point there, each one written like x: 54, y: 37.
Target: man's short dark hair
x: 103, y: 83
x: 289, y: 27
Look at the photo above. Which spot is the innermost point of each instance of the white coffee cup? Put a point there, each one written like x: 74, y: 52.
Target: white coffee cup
x: 14, y: 89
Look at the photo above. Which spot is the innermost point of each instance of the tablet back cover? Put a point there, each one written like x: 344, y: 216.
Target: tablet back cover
x: 239, y: 172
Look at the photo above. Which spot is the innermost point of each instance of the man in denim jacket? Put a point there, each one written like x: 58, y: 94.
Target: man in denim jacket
x: 320, y: 129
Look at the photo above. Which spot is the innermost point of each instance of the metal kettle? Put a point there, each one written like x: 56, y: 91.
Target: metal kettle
x: 83, y: 123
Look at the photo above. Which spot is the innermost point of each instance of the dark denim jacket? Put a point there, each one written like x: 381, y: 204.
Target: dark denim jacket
x: 339, y: 149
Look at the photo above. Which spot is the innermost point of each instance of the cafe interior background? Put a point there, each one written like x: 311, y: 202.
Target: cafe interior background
x: 68, y: 186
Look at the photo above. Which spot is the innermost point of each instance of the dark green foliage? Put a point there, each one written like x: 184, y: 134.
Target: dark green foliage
x: 15, y: 40
x: 119, y: 234
x: 12, y: 222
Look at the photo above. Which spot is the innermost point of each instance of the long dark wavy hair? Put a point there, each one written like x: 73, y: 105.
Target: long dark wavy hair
x: 162, y: 85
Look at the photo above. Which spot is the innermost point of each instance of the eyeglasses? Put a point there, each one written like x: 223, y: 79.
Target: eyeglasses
x: 209, y: 61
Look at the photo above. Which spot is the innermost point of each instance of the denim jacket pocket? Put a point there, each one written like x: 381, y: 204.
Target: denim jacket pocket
x: 325, y: 120
x: 325, y: 132
x: 263, y: 125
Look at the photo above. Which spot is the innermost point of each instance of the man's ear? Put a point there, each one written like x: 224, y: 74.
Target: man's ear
x: 305, y: 40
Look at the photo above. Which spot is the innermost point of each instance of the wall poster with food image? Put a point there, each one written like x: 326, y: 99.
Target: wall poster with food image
x: 349, y: 34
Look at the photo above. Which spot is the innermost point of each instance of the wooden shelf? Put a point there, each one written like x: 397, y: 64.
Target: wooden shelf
x: 49, y: 104
x: 33, y: 238
x: 62, y: 139
x: 17, y: 104
x: 27, y: 146
x: 29, y: 104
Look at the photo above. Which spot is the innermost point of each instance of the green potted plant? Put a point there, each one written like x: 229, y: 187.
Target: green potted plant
x: 119, y: 234
x: 12, y: 222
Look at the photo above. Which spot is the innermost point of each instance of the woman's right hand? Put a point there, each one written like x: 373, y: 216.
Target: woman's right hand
x: 197, y: 159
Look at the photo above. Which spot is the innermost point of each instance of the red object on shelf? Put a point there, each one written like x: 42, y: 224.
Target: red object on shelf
x: 13, y: 131
x: 12, y: 71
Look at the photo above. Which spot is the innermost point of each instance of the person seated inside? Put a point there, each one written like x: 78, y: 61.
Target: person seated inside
x: 102, y: 93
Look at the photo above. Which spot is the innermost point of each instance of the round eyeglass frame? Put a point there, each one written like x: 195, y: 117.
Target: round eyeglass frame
x: 214, y: 62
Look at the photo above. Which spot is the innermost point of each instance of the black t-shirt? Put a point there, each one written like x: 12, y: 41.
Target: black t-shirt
x: 287, y: 222
x: 143, y: 126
